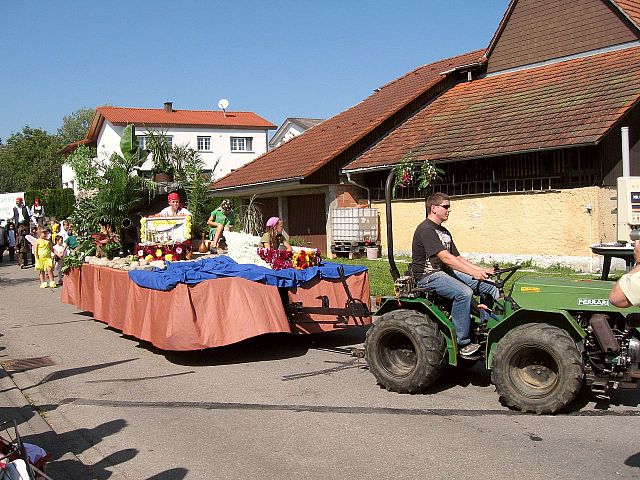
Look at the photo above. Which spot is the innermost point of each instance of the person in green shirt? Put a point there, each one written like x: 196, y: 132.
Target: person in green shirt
x: 71, y: 240
x: 221, y: 219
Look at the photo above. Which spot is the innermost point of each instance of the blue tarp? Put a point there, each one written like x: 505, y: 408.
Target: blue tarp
x: 223, y: 266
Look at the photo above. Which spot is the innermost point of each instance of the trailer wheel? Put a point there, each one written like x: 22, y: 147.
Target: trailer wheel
x: 406, y: 351
x: 537, y: 368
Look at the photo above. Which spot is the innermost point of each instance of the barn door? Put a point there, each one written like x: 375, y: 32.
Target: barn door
x: 307, y: 218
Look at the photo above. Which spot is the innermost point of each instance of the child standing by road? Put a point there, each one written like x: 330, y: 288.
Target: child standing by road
x: 42, y: 250
x: 23, y: 246
x: 59, y: 252
x: 11, y: 233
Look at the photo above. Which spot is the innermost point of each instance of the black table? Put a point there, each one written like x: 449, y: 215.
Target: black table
x: 624, y: 252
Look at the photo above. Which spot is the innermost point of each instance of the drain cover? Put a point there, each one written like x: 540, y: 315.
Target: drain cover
x: 24, y: 364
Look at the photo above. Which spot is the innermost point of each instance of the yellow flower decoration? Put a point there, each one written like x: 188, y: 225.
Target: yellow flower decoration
x: 168, y: 257
x: 187, y: 227
x: 149, y: 258
x: 159, y: 253
x: 143, y: 226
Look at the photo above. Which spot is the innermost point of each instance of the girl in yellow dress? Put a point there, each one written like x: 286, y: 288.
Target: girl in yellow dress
x: 44, y: 262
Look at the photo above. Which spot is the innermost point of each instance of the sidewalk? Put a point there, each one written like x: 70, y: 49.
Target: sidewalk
x: 64, y: 465
x: 14, y: 405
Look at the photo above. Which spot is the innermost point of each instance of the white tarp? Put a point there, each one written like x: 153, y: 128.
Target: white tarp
x: 7, y: 202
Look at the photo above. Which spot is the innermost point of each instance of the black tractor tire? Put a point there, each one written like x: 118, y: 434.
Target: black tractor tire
x: 537, y: 368
x: 406, y: 351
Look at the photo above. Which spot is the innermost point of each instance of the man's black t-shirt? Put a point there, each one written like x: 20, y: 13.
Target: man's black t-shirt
x: 429, y: 239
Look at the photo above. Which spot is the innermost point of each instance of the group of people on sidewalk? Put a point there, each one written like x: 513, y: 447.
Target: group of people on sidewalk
x: 37, y: 243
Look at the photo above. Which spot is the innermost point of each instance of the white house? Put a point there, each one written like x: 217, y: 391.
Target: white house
x: 292, y: 127
x: 231, y: 139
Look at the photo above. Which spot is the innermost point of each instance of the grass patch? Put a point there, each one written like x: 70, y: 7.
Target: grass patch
x: 381, y: 283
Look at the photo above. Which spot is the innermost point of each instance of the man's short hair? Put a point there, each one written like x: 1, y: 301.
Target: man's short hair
x: 435, y: 199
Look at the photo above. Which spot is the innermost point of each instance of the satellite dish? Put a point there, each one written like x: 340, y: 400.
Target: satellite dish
x: 223, y: 104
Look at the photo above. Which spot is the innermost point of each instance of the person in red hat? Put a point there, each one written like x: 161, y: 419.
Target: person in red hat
x: 174, y: 207
x: 37, y: 212
x: 21, y: 213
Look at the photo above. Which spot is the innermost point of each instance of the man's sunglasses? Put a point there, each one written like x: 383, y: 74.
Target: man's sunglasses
x: 446, y: 207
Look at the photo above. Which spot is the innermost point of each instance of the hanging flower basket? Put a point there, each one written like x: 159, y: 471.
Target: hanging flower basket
x: 409, y: 172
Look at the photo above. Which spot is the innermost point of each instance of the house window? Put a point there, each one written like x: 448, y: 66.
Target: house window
x: 241, y: 144
x: 142, y: 141
x: 204, y: 144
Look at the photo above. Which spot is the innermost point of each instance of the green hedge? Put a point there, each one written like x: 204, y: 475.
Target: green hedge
x: 58, y: 202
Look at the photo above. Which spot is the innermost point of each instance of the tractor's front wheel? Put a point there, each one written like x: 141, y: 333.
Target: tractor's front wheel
x: 537, y: 368
x: 405, y: 350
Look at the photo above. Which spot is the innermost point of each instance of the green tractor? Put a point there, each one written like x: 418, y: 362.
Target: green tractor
x: 543, y: 341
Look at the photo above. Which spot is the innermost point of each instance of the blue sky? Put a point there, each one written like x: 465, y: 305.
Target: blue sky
x: 278, y: 59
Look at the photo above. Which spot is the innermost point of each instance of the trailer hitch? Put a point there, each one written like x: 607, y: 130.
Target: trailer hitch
x: 354, y: 308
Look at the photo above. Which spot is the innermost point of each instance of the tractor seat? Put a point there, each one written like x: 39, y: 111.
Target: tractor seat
x: 446, y: 303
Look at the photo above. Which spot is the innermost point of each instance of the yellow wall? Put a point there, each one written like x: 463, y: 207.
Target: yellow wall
x: 540, y: 223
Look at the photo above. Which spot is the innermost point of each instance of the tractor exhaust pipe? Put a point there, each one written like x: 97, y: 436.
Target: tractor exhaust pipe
x: 388, y: 192
x: 607, y: 340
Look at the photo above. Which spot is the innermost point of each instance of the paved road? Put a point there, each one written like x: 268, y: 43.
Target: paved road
x: 285, y: 406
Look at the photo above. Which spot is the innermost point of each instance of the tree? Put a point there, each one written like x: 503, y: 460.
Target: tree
x: 113, y: 192
x: 75, y: 126
x: 30, y: 160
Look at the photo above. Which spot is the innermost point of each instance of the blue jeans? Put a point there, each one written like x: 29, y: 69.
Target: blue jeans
x: 458, y: 287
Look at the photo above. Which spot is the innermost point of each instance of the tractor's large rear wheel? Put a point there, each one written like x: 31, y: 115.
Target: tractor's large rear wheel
x: 537, y: 368
x: 405, y: 350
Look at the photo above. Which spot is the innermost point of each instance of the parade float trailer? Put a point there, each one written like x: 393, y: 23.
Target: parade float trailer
x: 212, y: 302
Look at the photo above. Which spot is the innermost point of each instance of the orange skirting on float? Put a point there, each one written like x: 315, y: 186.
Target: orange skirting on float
x: 209, y: 314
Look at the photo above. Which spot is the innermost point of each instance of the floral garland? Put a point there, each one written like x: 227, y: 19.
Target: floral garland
x: 281, y: 259
x: 170, y: 251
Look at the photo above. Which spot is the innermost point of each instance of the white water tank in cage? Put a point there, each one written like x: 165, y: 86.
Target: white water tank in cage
x: 354, y: 224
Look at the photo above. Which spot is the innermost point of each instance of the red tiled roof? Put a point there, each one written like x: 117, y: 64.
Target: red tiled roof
x: 70, y: 147
x: 184, y: 118
x: 559, y: 105
x: 304, y: 154
x: 631, y: 8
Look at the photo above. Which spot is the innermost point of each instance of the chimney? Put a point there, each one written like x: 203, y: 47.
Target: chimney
x: 168, y: 107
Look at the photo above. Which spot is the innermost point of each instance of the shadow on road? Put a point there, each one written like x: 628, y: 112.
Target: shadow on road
x: 173, y: 474
x: 627, y: 398
x: 77, y: 441
x: 270, y: 346
x: 70, y: 372
x: 13, y: 282
x: 633, y: 460
x: 476, y: 375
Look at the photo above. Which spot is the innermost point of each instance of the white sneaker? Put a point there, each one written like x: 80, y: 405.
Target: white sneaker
x: 469, y: 349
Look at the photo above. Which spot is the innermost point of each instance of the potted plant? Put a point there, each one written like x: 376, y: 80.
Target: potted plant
x: 161, y: 154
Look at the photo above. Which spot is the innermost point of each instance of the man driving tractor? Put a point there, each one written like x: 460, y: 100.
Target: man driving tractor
x: 437, y: 266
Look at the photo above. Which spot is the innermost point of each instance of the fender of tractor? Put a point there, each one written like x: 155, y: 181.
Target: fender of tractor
x: 428, y: 308
x: 558, y: 318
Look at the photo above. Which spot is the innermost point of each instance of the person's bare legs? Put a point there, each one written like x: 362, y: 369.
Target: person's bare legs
x: 52, y: 282
x: 217, y: 235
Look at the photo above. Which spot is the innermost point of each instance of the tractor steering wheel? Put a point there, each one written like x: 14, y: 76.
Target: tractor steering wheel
x: 498, y: 272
